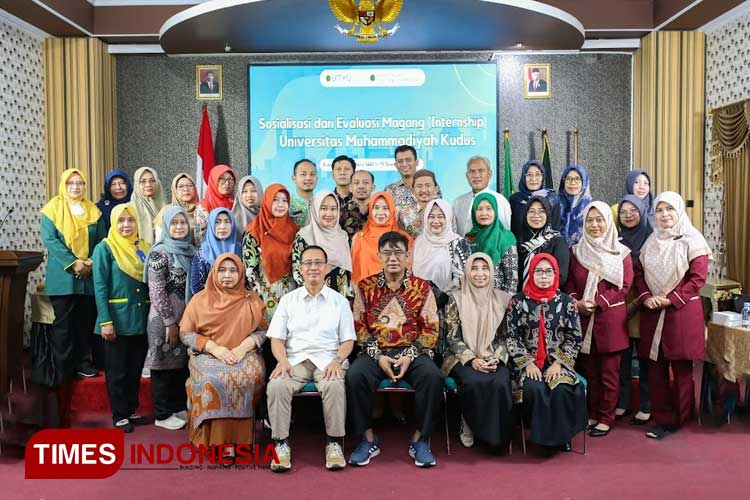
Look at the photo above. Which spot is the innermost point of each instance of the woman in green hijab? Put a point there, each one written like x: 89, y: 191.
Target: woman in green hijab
x: 490, y: 236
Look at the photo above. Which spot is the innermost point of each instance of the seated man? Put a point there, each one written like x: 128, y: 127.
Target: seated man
x: 312, y: 333
x: 396, y: 318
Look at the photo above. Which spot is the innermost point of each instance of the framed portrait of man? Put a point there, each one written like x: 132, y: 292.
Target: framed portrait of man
x: 538, y: 81
x: 208, y: 82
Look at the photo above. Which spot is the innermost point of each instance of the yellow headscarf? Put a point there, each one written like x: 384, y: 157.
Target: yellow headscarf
x: 74, y: 228
x: 129, y: 251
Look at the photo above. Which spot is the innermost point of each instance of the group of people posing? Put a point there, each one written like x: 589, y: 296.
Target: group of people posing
x: 535, y: 302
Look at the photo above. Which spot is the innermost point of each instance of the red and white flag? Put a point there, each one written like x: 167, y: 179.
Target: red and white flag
x: 205, y: 154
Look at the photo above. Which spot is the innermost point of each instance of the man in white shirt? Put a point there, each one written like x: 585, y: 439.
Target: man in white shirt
x: 312, y: 333
x: 478, y: 173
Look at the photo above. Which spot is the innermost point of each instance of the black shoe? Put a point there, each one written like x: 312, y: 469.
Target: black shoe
x: 599, y: 432
x: 660, y: 432
x: 566, y: 447
x: 86, y: 371
x: 591, y: 426
x: 639, y: 421
x: 125, y: 424
x: 137, y: 419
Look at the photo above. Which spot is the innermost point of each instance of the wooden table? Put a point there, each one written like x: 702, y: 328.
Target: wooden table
x: 720, y: 289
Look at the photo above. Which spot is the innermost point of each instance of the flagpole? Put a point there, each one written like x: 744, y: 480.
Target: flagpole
x: 575, y: 146
x: 546, y: 161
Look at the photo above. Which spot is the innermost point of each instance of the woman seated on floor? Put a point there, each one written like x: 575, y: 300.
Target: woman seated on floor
x: 223, y: 327
x: 476, y: 356
x: 544, y: 337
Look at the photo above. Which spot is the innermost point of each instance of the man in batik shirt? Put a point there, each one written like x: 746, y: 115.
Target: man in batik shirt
x: 395, y: 316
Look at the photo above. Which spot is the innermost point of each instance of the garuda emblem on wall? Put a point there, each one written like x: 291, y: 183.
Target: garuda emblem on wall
x: 366, y: 18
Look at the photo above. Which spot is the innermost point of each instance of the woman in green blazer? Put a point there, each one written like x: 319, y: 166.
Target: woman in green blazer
x: 122, y: 303
x: 71, y: 226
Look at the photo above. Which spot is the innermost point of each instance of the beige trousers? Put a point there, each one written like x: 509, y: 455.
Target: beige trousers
x: 281, y: 390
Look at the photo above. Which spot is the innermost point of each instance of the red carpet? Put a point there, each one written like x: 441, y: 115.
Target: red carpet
x: 90, y: 396
x: 696, y: 463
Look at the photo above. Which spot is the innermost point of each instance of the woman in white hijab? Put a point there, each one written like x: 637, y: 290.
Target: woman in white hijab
x: 600, y: 275
x: 323, y: 229
x: 148, y: 200
x: 433, y: 248
x: 674, y: 262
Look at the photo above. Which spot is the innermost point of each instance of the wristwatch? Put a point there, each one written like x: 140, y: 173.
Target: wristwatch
x: 338, y: 360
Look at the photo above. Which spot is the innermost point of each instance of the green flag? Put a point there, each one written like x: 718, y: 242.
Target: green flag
x: 546, y: 162
x: 508, y: 176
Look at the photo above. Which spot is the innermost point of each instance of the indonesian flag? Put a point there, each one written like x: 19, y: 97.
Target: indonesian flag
x: 205, y: 154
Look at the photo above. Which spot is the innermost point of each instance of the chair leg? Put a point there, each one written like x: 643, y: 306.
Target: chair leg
x: 445, y: 418
x: 523, y: 436
x: 697, y: 386
x: 585, y: 448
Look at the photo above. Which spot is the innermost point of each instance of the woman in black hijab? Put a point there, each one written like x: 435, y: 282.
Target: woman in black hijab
x: 633, y: 217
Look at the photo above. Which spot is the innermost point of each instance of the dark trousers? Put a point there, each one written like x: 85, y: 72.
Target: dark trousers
x: 671, y: 405
x: 626, y: 380
x: 168, y: 392
x: 603, y: 375
x: 72, y: 333
x: 124, y: 361
x: 363, y: 378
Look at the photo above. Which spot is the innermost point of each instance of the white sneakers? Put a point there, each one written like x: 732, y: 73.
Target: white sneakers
x: 284, y: 454
x: 334, y: 456
x: 466, y: 436
x: 172, y: 423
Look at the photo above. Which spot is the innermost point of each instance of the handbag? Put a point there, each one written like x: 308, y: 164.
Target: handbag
x: 42, y: 364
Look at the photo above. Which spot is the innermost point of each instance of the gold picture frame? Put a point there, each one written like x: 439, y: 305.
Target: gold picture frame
x: 542, y: 75
x: 208, y: 88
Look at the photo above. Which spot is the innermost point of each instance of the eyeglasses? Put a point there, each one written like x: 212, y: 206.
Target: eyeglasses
x: 118, y: 184
x: 75, y: 183
x: 399, y: 254
x: 185, y: 187
x: 147, y: 181
x: 537, y: 212
x: 226, y: 180
x: 573, y: 180
x: 544, y: 272
x: 534, y: 176
x: 312, y: 263
x: 623, y: 213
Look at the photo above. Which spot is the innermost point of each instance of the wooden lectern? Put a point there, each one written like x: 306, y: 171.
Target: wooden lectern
x: 15, y: 267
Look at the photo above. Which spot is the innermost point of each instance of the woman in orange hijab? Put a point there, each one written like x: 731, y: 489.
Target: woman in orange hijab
x: 267, y: 248
x: 223, y: 327
x: 219, y: 193
x: 381, y: 219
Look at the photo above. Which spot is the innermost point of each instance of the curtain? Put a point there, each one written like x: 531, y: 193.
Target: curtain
x: 80, y: 111
x: 730, y: 168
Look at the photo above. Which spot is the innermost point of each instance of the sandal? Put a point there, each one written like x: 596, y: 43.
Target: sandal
x: 660, y: 432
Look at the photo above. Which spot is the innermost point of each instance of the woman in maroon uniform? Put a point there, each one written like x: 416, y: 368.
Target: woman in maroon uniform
x: 675, y: 264
x: 600, y: 275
